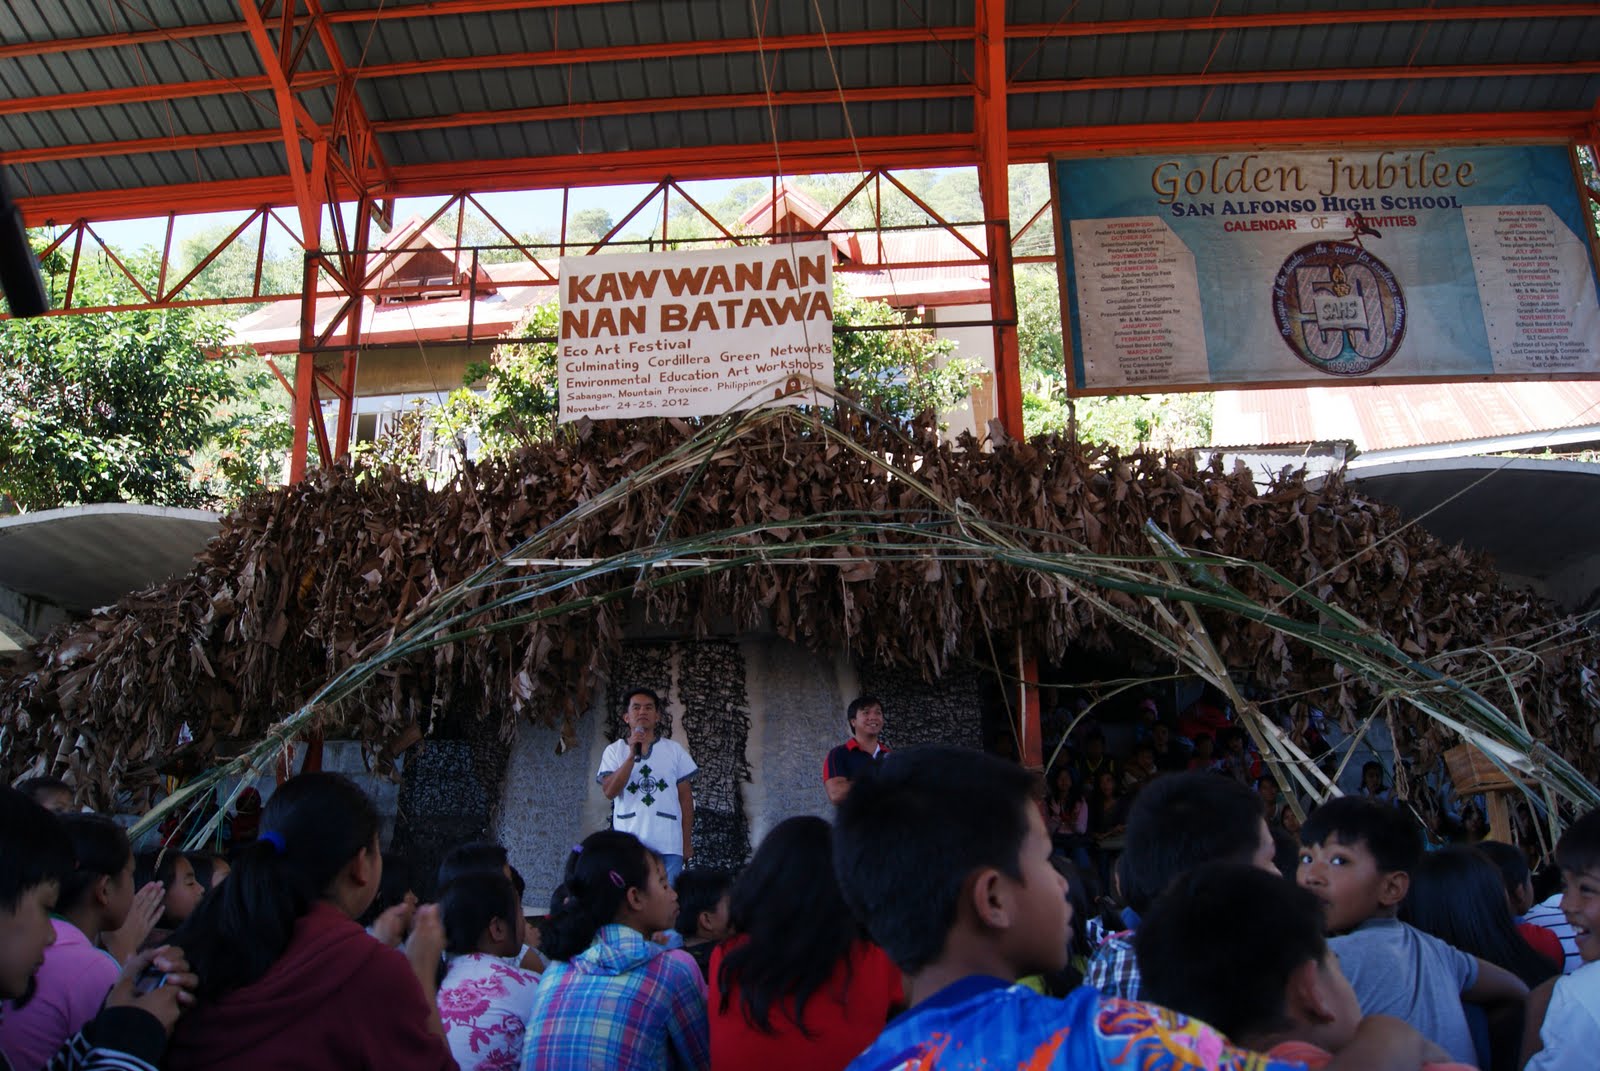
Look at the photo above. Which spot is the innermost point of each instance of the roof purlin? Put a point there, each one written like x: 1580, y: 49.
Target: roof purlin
x: 780, y: 99
x: 1028, y: 145
x: 511, y: 137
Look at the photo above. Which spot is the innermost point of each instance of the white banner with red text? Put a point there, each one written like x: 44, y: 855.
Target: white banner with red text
x: 695, y: 333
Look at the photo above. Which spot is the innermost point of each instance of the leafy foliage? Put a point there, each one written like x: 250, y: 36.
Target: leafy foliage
x: 148, y: 407
x: 232, y: 272
x: 899, y: 373
x: 510, y: 400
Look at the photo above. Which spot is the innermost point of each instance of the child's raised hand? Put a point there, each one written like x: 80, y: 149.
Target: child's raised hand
x: 173, y: 992
x: 392, y: 926
x: 123, y: 944
x: 426, y: 945
x: 425, y: 949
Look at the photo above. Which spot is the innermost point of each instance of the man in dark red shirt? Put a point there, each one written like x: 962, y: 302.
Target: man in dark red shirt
x: 845, y: 762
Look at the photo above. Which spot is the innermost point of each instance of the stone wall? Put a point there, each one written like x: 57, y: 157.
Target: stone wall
x: 446, y: 799
x: 947, y: 711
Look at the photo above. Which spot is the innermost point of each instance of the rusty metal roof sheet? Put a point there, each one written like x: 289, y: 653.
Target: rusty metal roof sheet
x: 1393, y: 416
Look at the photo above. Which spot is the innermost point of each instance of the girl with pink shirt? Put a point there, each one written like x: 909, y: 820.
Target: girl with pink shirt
x: 76, y: 975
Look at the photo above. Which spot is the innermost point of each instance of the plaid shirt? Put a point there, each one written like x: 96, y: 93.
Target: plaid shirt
x: 1114, y: 971
x: 623, y: 1004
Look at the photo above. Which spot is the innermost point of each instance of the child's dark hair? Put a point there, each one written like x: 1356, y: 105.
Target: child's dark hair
x: 1180, y: 821
x: 159, y: 866
x: 36, y: 788
x: 476, y: 858
x: 205, y: 867
x: 392, y: 887
x: 311, y: 828
x: 860, y: 703
x: 1220, y: 944
x: 1458, y: 896
x: 1367, y: 767
x: 1285, y: 852
x: 1389, y: 834
x: 1080, y: 894
x: 99, y: 849
x: 925, y: 820
x: 796, y: 926
x: 34, y: 848
x: 699, y: 890
x: 470, y: 903
x: 600, y: 871
x: 1578, y: 850
x: 1512, y: 862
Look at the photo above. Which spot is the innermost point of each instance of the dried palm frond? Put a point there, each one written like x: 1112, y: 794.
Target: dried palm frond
x: 1163, y: 598
x: 411, y: 604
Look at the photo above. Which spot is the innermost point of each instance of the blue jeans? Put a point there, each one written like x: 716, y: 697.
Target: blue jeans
x: 674, y: 865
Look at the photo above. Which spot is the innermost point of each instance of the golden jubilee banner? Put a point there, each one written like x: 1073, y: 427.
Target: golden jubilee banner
x: 1192, y: 271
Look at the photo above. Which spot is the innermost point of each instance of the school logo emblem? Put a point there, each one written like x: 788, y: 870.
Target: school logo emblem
x: 1339, y: 307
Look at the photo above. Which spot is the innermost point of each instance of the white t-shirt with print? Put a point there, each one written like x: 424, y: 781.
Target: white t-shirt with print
x: 648, y: 807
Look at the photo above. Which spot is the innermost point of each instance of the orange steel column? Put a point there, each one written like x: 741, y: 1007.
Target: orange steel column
x: 992, y: 130
x: 356, y: 271
x: 994, y: 183
x: 304, y: 372
x: 297, y: 129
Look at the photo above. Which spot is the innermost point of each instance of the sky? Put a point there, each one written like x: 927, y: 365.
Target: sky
x: 521, y: 212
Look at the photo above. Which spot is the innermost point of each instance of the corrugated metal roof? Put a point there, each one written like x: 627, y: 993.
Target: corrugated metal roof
x: 1175, y: 64
x: 1380, y: 416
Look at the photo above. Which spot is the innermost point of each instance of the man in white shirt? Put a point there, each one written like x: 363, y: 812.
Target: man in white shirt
x: 648, y: 783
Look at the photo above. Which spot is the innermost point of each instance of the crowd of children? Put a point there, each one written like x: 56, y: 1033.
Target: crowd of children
x: 938, y: 924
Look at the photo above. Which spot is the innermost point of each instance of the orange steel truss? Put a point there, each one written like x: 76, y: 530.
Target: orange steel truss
x: 350, y: 278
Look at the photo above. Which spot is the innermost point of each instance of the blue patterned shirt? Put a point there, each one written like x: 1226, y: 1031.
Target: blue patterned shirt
x: 983, y: 1024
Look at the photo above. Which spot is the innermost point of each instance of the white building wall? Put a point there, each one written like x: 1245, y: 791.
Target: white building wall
x: 976, y: 344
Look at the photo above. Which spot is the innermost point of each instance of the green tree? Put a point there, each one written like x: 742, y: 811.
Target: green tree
x: 477, y: 231
x: 901, y: 372
x: 232, y: 272
x: 123, y: 406
x: 510, y: 400
x: 248, y: 450
x: 590, y: 225
x: 1039, y: 341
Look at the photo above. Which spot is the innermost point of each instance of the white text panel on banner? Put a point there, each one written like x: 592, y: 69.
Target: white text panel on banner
x: 695, y: 333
